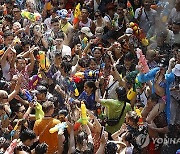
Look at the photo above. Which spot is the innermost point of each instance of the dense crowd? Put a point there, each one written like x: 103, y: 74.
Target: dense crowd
x: 89, y: 76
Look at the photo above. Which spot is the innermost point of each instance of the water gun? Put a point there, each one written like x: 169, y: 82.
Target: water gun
x: 84, y: 119
x: 165, y: 12
x: 71, y: 86
x: 138, y: 111
x: 28, y: 95
x: 1, y: 52
x: 43, y: 61
x: 137, y: 84
x: 86, y: 75
x: 34, y: 81
x: 17, y: 125
x: 178, y: 151
x: 12, y: 146
x: 59, y: 128
x: 130, y: 9
x: 84, y: 42
x: 31, y: 16
x: 17, y: 40
x: 131, y: 94
x: 114, y: 21
x: 138, y: 32
x: 48, y: 5
x: 77, y: 13
x: 142, y: 61
x: 39, y: 113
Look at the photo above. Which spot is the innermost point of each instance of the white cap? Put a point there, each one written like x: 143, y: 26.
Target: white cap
x: 176, y: 70
x: 87, y: 31
x: 129, y: 31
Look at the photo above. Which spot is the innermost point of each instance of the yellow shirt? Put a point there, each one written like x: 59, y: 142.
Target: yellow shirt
x: 65, y: 27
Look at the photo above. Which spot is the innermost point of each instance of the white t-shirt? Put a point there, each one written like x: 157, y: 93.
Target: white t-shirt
x: 66, y: 50
x: 147, y: 18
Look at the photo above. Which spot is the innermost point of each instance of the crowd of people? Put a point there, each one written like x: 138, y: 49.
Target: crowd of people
x: 89, y: 76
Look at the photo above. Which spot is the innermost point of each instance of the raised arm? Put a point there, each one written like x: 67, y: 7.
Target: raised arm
x: 96, y: 123
x: 32, y: 59
x: 88, y: 131
x: 72, y: 140
x: 118, y: 77
x: 16, y: 89
x: 103, y: 144
x: 4, y: 56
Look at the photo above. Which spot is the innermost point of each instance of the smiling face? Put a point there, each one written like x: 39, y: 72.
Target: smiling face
x: 87, y: 89
x: 37, y: 29
x: 21, y: 64
x: 147, y: 4
x: 8, y: 40
x: 92, y: 65
x: 84, y: 14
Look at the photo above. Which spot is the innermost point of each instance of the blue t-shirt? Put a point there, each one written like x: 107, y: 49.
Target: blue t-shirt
x: 89, y: 100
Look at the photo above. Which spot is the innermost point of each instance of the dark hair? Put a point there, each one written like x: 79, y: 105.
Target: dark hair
x: 129, y: 56
x: 121, y: 93
x: 54, y: 20
x: 41, y: 148
x: 7, y: 33
x: 16, y: 107
x: 43, y: 83
x: 81, y: 137
x: 27, y: 134
x: 91, y: 59
x: 83, y: 62
x: 66, y: 66
x: 91, y: 84
x: 20, y: 58
x: 8, y: 18
x: 59, y: 35
x: 64, y: 112
x: 54, y: 10
x: 42, y: 89
x: 25, y: 42
x: 98, y: 11
x: 58, y: 54
x: 86, y: 8
x: 46, y: 106
x: 121, y: 5
x: 111, y: 148
x: 132, y: 115
x: 98, y: 48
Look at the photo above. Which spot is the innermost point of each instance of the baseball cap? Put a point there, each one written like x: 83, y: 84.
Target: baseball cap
x: 87, y: 31
x: 129, y: 31
x: 176, y: 70
x: 62, y: 13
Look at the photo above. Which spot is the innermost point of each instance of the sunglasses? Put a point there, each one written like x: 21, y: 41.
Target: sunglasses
x: 98, y: 15
x: 5, y: 97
